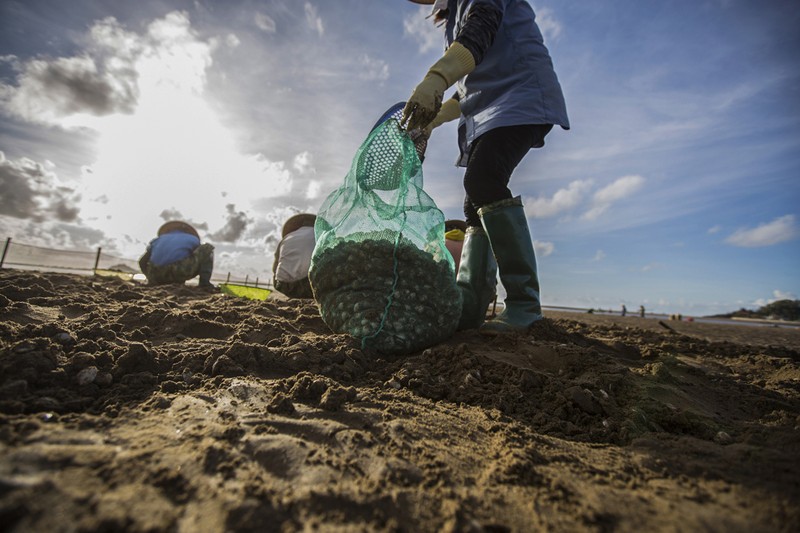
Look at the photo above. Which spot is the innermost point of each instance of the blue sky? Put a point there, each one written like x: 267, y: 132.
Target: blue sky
x: 676, y: 188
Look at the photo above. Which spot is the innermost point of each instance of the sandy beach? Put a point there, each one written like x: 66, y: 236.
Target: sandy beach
x: 125, y: 407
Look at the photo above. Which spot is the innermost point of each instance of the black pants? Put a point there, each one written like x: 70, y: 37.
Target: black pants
x: 493, y: 157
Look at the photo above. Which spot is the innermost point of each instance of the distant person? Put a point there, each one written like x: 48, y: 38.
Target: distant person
x: 641, y: 311
x: 624, y: 310
x: 176, y: 256
x: 293, y: 256
x: 454, y: 232
x: 507, y: 100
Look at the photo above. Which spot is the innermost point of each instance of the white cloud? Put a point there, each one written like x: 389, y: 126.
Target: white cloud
x: 313, y: 190
x: 173, y: 151
x: 57, y: 235
x: 561, y: 201
x: 106, y: 78
x: 543, y: 248
x: 265, y: 23
x: 776, y: 295
x: 599, y: 256
x: 174, y: 55
x: 779, y: 230
x: 780, y: 295
x: 32, y: 190
x: 423, y: 31
x: 313, y: 19
x: 232, y: 40
x: 649, y: 267
x: 303, y: 163
x: 48, y: 91
x: 714, y: 229
x: 619, y: 189
x: 373, y: 69
x: 550, y: 27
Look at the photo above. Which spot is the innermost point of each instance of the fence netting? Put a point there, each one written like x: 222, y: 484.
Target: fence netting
x: 27, y: 256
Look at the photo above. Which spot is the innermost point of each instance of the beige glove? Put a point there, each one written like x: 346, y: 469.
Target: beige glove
x: 450, y: 110
x: 424, y: 103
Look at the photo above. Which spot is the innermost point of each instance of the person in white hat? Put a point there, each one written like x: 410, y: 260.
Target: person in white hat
x: 507, y: 100
x: 176, y: 256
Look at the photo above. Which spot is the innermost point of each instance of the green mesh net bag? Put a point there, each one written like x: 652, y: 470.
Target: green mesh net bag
x: 380, y: 270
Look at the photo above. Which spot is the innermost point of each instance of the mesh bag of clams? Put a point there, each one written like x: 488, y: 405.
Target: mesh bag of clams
x: 380, y: 270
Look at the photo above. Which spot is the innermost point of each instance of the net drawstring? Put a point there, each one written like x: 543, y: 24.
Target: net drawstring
x: 394, y: 285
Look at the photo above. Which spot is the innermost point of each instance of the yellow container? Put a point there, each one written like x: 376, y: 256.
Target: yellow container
x: 244, y: 291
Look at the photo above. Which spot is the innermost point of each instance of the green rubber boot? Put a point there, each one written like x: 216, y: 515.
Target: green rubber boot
x: 507, y: 228
x: 477, y: 278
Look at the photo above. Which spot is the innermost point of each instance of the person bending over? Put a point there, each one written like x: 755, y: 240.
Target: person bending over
x: 507, y: 100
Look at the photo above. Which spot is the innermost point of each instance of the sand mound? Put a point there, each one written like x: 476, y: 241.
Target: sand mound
x: 126, y: 407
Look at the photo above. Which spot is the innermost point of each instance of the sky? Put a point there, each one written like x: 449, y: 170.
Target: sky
x: 677, y: 187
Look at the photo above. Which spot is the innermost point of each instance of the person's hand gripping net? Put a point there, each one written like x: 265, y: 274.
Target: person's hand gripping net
x: 424, y: 103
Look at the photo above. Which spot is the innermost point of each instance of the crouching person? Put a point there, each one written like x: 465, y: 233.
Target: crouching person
x: 454, y: 232
x: 177, y: 255
x: 293, y: 257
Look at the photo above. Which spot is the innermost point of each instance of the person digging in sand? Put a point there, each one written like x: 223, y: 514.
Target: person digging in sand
x: 293, y: 256
x: 176, y: 256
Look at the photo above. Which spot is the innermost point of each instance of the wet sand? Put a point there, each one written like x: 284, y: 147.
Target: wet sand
x: 132, y: 408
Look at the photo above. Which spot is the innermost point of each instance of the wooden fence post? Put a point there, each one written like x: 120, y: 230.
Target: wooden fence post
x: 5, y: 249
x: 97, y: 259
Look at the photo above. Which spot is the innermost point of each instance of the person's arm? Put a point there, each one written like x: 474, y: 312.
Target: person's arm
x: 426, y: 100
x: 450, y: 110
x: 461, y: 58
x: 480, y: 29
x: 277, y: 259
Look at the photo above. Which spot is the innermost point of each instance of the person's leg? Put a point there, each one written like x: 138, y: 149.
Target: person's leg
x: 493, y: 158
x: 148, y: 269
x: 477, y: 271
x: 471, y: 214
x: 492, y: 161
x: 165, y: 274
x: 204, y: 259
x: 476, y: 278
x: 507, y: 228
x: 300, y: 288
x: 199, y: 263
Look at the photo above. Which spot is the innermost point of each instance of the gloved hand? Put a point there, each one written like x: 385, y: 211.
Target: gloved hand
x: 450, y: 110
x: 426, y: 100
x: 424, y: 103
